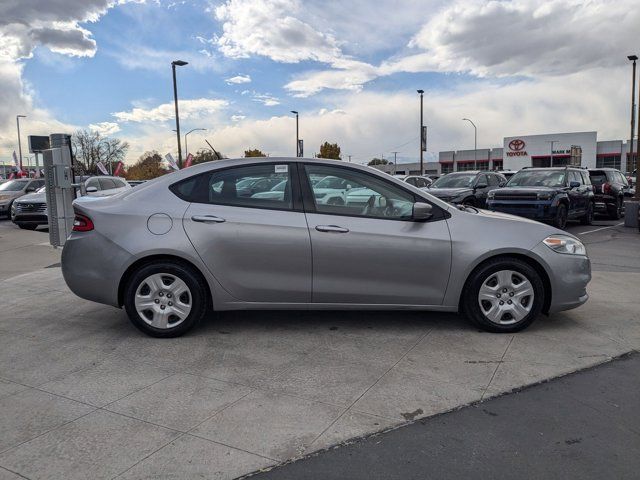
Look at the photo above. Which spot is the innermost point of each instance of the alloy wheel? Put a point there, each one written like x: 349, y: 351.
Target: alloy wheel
x: 506, y: 297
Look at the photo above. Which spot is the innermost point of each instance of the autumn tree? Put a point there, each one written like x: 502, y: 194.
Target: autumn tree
x: 206, y: 155
x: 90, y: 147
x: 254, y: 153
x: 329, y: 150
x: 148, y: 166
x: 378, y: 161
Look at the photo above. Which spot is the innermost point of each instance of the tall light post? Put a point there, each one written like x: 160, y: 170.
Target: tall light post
x: 174, y: 64
x: 186, y: 148
x: 422, y: 135
x: 475, y: 142
x: 634, y: 58
x: 18, y: 117
x: 551, y: 142
x: 297, y: 133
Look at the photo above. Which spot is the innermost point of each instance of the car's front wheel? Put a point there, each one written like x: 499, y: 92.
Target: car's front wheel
x: 165, y: 299
x: 503, y: 295
x: 615, y: 212
x: 560, y: 220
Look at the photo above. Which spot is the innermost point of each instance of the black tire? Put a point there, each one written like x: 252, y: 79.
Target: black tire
x: 198, y: 297
x: 615, y: 213
x: 9, y: 207
x: 587, y: 218
x: 560, y: 220
x: 27, y: 226
x: 470, y: 304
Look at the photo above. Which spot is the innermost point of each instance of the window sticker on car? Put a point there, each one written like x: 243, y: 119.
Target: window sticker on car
x: 282, y: 168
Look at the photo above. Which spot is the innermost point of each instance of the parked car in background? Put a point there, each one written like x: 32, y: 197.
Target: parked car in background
x: 415, y: 180
x: 610, y: 187
x: 177, y: 248
x: 553, y: 194
x: 30, y: 210
x: 14, y: 189
x: 135, y: 183
x: 466, y: 188
x: 105, y: 186
x: 507, y: 173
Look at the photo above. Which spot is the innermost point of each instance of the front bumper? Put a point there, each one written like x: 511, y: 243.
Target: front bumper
x: 538, y: 210
x: 568, y: 275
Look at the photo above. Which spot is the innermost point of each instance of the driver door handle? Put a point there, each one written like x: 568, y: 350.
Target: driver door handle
x: 332, y: 229
x: 207, y: 219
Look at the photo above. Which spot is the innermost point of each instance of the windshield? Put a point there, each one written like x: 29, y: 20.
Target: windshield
x: 455, y: 181
x: 537, y: 178
x: 13, y: 186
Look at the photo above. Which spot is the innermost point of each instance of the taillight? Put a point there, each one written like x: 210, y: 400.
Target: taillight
x: 82, y: 223
x: 606, y: 188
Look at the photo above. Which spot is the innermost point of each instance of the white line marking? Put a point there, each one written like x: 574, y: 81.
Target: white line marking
x: 603, y: 228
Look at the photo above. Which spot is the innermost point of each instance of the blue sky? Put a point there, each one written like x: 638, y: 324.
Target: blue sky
x: 350, y: 68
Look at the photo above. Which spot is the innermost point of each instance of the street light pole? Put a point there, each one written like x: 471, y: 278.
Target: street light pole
x: 551, y: 142
x: 633, y: 58
x: 174, y: 64
x: 186, y: 148
x: 18, y: 117
x: 297, y: 134
x: 475, y: 142
x: 421, y: 92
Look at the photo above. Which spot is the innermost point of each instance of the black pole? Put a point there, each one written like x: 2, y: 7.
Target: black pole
x: 633, y: 108
x: 297, y: 137
x: 637, y: 197
x: 421, y: 129
x: 175, y: 99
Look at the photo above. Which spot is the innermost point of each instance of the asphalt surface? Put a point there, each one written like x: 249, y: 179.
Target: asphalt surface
x: 585, y: 425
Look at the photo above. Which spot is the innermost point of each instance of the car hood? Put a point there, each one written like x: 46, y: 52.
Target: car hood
x: 449, y: 192
x: 32, y: 197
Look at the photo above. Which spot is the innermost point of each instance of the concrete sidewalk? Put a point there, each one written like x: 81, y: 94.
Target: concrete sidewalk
x: 582, y: 426
x: 85, y: 395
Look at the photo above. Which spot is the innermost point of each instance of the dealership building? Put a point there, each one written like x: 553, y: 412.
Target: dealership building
x: 553, y: 149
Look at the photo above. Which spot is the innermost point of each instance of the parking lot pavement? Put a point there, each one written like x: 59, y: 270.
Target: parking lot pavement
x: 23, y: 251
x: 583, y: 426
x: 83, y: 394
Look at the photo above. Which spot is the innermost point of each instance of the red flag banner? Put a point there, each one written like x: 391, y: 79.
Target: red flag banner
x: 119, y: 169
x: 188, y: 161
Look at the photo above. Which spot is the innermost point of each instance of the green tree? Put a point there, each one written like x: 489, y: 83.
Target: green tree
x: 206, y: 155
x: 378, y: 161
x: 254, y: 153
x: 329, y: 150
x: 148, y: 166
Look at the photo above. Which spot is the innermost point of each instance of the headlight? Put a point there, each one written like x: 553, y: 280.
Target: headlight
x: 563, y: 244
x: 544, y: 196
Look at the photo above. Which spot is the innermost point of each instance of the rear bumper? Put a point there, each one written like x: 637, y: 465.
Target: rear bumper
x: 92, y: 266
x: 604, y: 203
x: 539, y: 210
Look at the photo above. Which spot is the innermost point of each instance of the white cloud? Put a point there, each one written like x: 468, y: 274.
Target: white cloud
x: 105, y: 128
x: 266, y: 99
x: 238, y: 79
x: 237, y: 118
x: 149, y: 58
x: 189, y: 109
x: 268, y: 28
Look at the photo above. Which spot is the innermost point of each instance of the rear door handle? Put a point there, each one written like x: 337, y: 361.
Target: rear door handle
x: 331, y: 229
x: 207, y: 219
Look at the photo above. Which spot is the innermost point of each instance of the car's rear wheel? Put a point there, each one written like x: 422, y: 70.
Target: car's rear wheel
x: 587, y: 218
x: 560, y: 220
x: 503, y: 295
x: 615, y: 213
x: 165, y: 299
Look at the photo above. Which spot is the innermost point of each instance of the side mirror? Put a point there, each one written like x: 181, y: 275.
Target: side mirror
x: 421, y: 211
x: 480, y: 186
x: 30, y: 189
x: 92, y: 189
x: 348, y: 186
x: 574, y: 184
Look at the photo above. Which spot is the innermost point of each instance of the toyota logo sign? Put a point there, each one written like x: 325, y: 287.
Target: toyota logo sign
x: 516, y: 144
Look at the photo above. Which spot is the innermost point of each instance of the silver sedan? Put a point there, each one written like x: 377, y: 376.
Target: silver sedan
x: 176, y: 247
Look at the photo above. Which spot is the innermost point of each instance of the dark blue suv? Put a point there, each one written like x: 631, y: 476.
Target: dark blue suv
x: 553, y: 195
